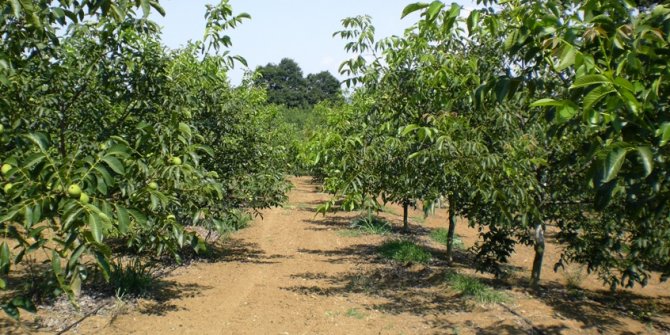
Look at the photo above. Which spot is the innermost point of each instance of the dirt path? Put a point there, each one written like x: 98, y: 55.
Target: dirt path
x: 295, y: 273
x: 265, y: 287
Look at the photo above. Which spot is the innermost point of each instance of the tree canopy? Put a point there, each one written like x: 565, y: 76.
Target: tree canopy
x: 287, y: 86
x: 523, y: 115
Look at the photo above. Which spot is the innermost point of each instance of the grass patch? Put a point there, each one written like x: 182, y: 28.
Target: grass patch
x: 404, y: 251
x: 133, y: 279
x: 419, y: 219
x: 350, y: 233
x: 473, y: 288
x: 235, y: 220
x: 354, y: 313
x: 574, y: 276
x: 371, y: 225
x: 441, y: 236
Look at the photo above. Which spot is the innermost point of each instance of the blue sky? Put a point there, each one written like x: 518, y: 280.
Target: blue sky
x: 297, y: 29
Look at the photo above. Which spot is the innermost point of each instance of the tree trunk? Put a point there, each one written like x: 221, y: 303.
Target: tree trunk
x: 539, y: 255
x: 405, y: 223
x: 452, y: 230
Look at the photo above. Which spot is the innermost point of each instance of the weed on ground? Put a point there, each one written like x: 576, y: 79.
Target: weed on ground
x: 473, y: 288
x: 371, y: 225
x: 404, y: 251
x: 441, y: 236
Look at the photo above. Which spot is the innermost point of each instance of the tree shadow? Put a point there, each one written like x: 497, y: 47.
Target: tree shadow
x: 330, y: 222
x: 161, y: 300
x: 410, y: 288
x: 403, y: 289
x: 368, y: 253
x: 241, y: 251
x: 501, y: 328
x: 355, y: 253
x: 603, y: 309
x: 342, y: 222
x: 414, y: 289
x: 11, y: 327
x: 307, y: 206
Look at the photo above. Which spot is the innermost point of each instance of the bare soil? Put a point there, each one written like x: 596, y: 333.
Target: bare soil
x: 293, y: 272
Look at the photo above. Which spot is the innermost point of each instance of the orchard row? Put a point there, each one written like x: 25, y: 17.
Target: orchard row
x: 526, y: 117
x: 112, y: 144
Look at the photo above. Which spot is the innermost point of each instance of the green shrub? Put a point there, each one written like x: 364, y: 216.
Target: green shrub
x: 404, y: 251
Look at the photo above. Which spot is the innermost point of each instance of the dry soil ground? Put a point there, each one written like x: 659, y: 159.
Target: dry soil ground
x: 296, y: 273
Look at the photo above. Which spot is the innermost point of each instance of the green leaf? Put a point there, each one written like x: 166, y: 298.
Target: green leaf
x: 408, y: 129
x: 414, y: 155
x: 596, y: 95
x: 16, y: 8
x: 109, y: 180
x: 511, y: 39
x: 33, y: 160
x: 590, y: 79
x: 566, y: 113
x: 411, y: 8
x: 185, y: 129
x: 546, y: 102
x: 103, y: 264
x: 74, y: 259
x: 55, y: 264
x: 11, y: 214
x: 502, y: 89
x: 146, y: 8
x: 567, y: 58
x: 138, y: 216
x: 434, y: 9
x: 647, y: 159
x: 115, y: 164
x: 473, y: 21
x: 35, y: 233
x: 124, y: 219
x: 75, y: 284
x: 157, y: 7
x: 5, y: 260
x: 663, y: 132
x: 101, y: 185
x: 70, y: 216
x: 58, y: 13
x: 28, y: 216
x: 119, y: 150
x: 613, y: 162
x: 96, y: 227
x: 624, y: 83
x: 39, y: 140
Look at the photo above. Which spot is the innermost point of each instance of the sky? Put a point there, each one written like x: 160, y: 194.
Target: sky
x: 298, y: 29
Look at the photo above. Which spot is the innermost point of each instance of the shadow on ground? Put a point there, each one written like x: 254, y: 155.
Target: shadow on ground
x: 422, y: 290
x: 343, y: 222
x: 238, y: 250
x: 10, y: 327
x: 161, y: 300
x: 603, y: 309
